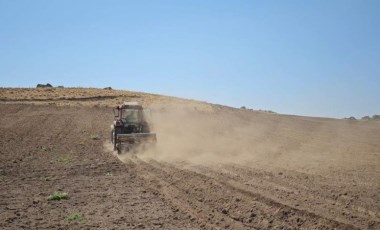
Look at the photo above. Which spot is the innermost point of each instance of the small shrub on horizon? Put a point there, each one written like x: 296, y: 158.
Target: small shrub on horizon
x: 366, y: 118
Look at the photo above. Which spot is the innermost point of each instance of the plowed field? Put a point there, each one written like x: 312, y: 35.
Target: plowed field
x: 213, y: 168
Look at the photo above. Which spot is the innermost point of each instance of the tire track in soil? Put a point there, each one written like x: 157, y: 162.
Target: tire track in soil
x: 206, y: 217
x: 282, y: 194
x: 231, y: 204
x: 315, y: 193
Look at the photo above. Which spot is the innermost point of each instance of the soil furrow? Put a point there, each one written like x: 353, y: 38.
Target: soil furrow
x: 206, y: 216
x: 242, y: 205
x: 268, y: 195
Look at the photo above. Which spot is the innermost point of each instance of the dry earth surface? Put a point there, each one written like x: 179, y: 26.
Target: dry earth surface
x: 214, y: 167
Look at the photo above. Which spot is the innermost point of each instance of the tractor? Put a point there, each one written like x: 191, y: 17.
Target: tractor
x: 131, y: 130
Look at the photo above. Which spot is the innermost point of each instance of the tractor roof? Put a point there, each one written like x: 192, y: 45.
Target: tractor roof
x: 130, y: 105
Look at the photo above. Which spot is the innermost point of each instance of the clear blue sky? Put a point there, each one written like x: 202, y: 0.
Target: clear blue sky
x: 318, y: 58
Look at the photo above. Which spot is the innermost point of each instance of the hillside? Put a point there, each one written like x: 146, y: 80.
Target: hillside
x: 85, y: 96
x: 214, y: 167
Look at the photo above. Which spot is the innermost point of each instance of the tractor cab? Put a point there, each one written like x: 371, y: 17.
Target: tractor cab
x: 130, y: 118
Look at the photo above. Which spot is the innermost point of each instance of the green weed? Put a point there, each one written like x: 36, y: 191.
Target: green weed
x: 59, y: 196
x: 75, y: 217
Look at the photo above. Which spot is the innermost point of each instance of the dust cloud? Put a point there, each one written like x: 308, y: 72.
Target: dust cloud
x: 186, y: 133
x: 223, y: 135
x: 252, y: 138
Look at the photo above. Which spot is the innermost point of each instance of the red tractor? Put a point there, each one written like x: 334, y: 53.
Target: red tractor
x: 131, y: 129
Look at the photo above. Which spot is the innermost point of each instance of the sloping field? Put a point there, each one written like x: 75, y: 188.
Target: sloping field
x: 214, y: 167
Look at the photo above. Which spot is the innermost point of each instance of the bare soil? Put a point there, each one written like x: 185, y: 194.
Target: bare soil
x: 213, y: 168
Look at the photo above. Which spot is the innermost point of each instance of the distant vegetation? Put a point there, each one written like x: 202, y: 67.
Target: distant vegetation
x: 266, y: 111
x: 374, y: 117
x: 365, y: 118
x: 48, y: 85
x: 261, y: 110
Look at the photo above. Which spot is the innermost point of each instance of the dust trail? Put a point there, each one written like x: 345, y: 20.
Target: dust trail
x: 222, y: 135
x: 207, y: 137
